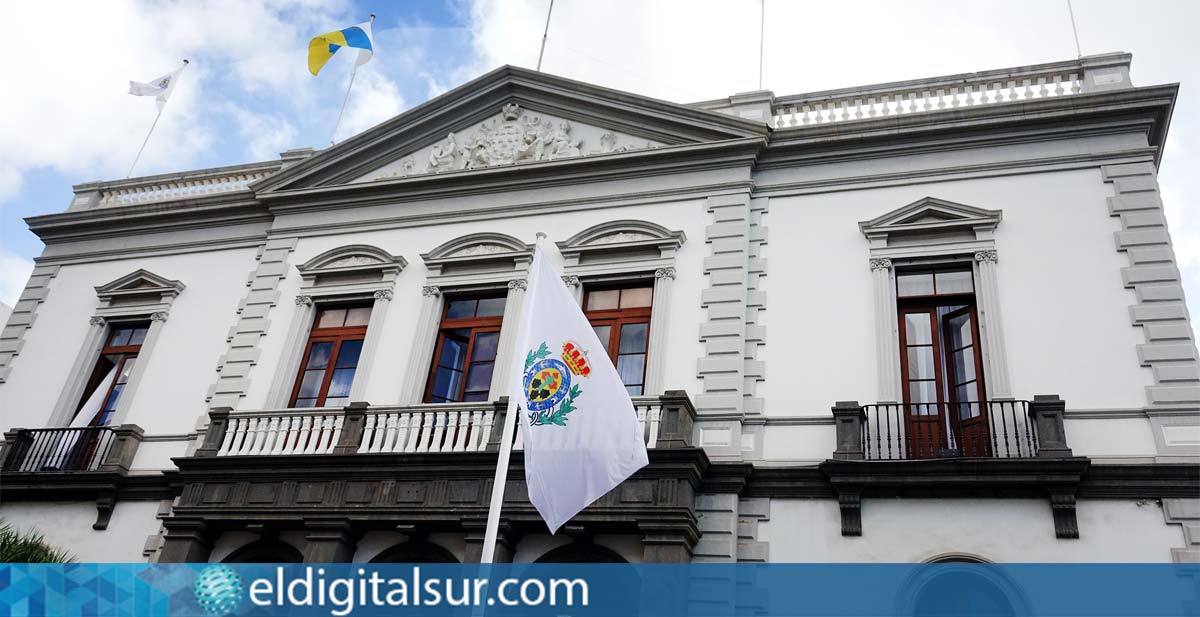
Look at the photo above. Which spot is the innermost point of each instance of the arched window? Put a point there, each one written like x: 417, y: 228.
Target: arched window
x: 415, y: 552
x: 265, y: 551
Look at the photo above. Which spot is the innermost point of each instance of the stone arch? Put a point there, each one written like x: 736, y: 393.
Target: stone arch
x: 579, y: 552
x: 415, y: 552
x: 960, y: 583
x: 266, y: 551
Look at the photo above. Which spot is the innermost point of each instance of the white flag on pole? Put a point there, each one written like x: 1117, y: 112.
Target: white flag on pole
x: 581, y: 433
x: 159, y: 88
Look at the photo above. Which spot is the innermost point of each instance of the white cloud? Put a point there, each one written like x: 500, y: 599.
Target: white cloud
x: 375, y: 98
x: 265, y: 135
x: 14, y: 273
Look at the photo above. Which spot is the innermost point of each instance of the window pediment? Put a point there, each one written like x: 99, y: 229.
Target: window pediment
x: 349, y: 264
x: 621, y: 241
x: 139, y: 288
x: 930, y: 219
x: 479, y: 252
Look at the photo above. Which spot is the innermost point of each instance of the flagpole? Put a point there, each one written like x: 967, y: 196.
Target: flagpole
x: 346, y: 98
x: 144, y: 142
x: 148, y: 134
x: 501, y: 478
x: 545, y: 32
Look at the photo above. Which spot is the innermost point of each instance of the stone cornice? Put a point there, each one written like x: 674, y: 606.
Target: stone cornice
x: 1146, y: 109
x: 215, y: 211
x: 540, y: 175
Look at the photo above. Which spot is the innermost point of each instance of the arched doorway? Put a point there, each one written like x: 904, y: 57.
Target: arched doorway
x: 579, y: 552
x: 265, y: 551
x: 415, y: 552
x: 960, y: 584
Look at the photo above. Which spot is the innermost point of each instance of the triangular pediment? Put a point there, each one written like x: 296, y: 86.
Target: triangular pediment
x: 930, y: 215
x: 137, y: 284
x: 509, y: 117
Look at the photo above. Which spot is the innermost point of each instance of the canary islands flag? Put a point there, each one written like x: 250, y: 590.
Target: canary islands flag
x: 322, y: 47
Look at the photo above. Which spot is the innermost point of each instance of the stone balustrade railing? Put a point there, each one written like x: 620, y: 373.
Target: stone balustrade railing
x: 950, y: 92
x: 666, y: 422
x: 170, y: 187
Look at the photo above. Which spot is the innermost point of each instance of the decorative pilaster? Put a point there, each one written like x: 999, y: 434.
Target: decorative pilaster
x: 242, y: 351
x: 887, y: 343
x: 506, y: 541
x: 293, y: 351
x: 660, y: 307
x: 575, y: 286
x: 158, y: 321
x: 366, y: 361
x: 422, y: 349
x: 186, y: 541
x: 72, y: 392
x: 991, y: 326
x: 329, y: 541
x: 508, y: 329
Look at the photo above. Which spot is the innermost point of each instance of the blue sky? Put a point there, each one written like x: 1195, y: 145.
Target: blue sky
x: 66, y: 117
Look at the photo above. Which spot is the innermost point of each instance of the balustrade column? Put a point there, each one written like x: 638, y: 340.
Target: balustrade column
x: 422, y: 349
x: 887, y: 343
x: 660, y: 306
x: 995, y: 358
x: 508, y: 329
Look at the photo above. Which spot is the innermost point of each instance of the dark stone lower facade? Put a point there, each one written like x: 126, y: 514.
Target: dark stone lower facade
x: 335, y: 499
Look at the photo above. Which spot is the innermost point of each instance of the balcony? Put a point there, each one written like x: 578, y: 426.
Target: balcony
x: 414, y: 429
x: 70, y: 463
x: 981, y: 449
x: 422, y: 468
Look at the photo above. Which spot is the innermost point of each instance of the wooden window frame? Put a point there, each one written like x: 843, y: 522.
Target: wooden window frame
x: 337, y: 336
x: 617, y: 318
x: 127, y: 353
x: 476, y: 326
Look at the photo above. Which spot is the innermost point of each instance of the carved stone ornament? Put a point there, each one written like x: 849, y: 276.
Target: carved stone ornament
x: 570, y: 280
x: 158, y: 316
x: 383, y: 294
x: 96, y: 320
x: 517, y: 136
x: 880, y: 264
x: 988, y: 256
x: 304, y: 301
x: 518, y: 284
x: 431, y: 291
x: 665, y: 273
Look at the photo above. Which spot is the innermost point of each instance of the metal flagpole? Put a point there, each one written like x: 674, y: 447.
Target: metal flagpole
x: 144, y: 142
x: 762, y: 25
x: 148, y: 134
x: 501, y: 478
x: 1071, y: 11
x: 545, y: 32
x: 353, y: 72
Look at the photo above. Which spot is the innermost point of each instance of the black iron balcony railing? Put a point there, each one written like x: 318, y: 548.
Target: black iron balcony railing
x: 1000, y: 429
x: 982, y: 429
x: 91, y: 448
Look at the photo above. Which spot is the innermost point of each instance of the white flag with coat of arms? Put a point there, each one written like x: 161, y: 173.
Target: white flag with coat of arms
x: 160, y: 88
x: 580, y: 430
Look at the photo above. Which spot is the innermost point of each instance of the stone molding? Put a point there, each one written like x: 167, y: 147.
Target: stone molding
x: 24, y: 313
x: 242, y: 343
x: 1185, y: 513
x: 1160, y: 310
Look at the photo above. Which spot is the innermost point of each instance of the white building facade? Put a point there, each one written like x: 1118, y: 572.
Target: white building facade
x: 925, y: 320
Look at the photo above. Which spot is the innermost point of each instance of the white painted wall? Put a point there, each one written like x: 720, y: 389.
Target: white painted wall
x: 182, y: 364
x: 1002, y: 530
x: 410, y: 242
x: 68, y: 525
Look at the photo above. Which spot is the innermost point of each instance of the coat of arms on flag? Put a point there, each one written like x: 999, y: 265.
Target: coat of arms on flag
x: 549, y: 392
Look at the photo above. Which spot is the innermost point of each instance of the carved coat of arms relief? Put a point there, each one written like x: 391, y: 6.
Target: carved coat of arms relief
x: 516, y: 136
